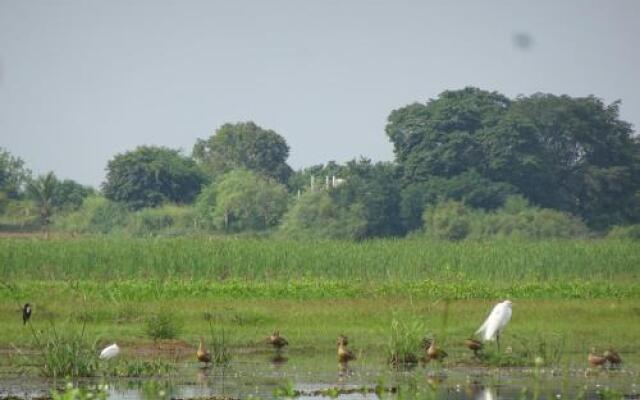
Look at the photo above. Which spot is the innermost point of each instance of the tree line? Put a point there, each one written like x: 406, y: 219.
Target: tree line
x: 467, y: 163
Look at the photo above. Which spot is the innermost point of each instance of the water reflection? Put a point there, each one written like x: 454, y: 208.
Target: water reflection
x: 320, y: 378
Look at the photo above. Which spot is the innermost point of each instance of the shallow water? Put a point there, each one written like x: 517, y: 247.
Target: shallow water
x: 319, y: 377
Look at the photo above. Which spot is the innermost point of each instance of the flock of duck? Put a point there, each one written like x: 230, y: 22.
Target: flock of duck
x: 489, y: 331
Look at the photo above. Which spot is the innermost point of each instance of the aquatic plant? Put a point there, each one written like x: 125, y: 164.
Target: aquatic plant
x: 64, y: 352
x: 71, y: 392
x: 403, y: 345
x: 219, y: 346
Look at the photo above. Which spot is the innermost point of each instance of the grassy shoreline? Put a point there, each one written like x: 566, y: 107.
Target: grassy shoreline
x: 568, y: 295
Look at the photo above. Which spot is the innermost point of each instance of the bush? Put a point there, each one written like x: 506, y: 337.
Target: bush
x: 246, y: 201
x: 449, y: 220
x: 518, y: 219
x: 161, y: 326
x: 96, y: 215
x: 65, y: 353
x: 625, y: 232
x: 168, y: 219
x: 315, y: 215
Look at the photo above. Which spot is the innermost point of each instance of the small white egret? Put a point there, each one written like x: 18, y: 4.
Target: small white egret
x: 109, y: 352
x: 496, y: 322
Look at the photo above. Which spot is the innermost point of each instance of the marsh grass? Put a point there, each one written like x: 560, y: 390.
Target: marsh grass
x: 220, y: 350
x: 404, y: 344
x: 389, y: 260
x: 64, y: 352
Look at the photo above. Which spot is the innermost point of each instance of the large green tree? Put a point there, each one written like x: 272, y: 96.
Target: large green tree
x: 245, y: 200
x: 244, y: 145
x: 569, y: 154
x: 316, y: 215
x: 441, y: 137
x: 374, y: 187
x: 69, y: 194
x: 149, y: 176
x: 13, y: 174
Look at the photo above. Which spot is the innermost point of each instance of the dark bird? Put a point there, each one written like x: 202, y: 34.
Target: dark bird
x: 276, y: 340
x: 474, y: 345
x: 435, y: 353
x: 596, y: 360
x: 26, y: 313
x: 344, y: 354
x: 613, y: 357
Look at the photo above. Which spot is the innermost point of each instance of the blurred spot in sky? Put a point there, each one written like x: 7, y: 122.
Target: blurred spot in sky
x: 522, y: 41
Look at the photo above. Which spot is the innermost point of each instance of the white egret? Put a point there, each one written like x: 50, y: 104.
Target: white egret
x: 109, y: 352
x: 496, y: 322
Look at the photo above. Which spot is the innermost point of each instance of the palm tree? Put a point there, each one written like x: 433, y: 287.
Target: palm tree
x: 42, y: 191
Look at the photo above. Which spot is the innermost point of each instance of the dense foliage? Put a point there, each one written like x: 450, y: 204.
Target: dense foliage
x: 460, y: 160
x: 13, y: 174
x: 244, y: 145
x: 149, y: 176
x: 245, y: 200
x: 563, y: 153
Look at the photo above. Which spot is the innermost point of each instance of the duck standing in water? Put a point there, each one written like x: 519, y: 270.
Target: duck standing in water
x: 613, y: 357
x: 202, y: 354
x: 344, y: 355
x: 435, y: 353
x: 596, y: 360
x: 276, y: 340
x: 473, y: 345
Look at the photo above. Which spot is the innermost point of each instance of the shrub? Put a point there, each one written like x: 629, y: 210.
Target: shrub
x: 65, y: 353
x: 168, y: 219
x: 518, y: 219
x: 404, y: 342
x: 449, y: 220
x: 315, y: 215
x: 161, y: 326
x: 96, y: 215
x: 625, y: 232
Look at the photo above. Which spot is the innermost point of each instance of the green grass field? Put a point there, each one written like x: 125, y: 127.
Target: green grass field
x: 568, y: 295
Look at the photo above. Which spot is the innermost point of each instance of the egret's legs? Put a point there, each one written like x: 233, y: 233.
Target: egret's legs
x: 498, y: 340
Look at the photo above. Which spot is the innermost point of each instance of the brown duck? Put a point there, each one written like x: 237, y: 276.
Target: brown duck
x: 613, y: 357
x: 344, y: 354
x: 276, y: 340
x: 474, y: 345
x: 596, y: 360
x: 435, y: 353
x: 202, y: 354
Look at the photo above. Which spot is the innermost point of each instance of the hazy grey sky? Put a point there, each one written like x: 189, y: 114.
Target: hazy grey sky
x: 83, y: 80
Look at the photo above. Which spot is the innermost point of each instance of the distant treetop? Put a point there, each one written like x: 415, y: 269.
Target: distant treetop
x: 244, y: 145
